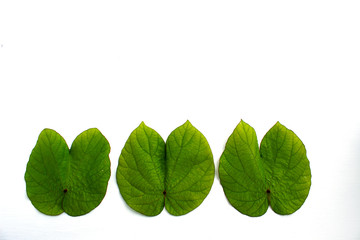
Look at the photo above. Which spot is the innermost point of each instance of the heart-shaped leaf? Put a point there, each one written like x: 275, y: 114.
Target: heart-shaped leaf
x: 74, y: 181
x: 180, y: 179
x: 278, y: 175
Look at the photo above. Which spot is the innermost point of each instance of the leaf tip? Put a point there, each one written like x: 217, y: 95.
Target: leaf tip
x: 47, y: 130
x: 47, y: 133
x: 142, y: 124
x: 279, y: 125
x: 242, y: 123
x: 188, y: 123
x: 93, y: 131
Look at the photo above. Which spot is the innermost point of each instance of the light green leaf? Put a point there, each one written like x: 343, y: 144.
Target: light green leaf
x: 287, y: 169
x: 141, y: 171
x: 278, y: 175
x: 148, y: 178
x: 190, y: 169
x: 74, y: 181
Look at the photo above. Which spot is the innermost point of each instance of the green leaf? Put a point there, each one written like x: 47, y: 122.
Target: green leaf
x: 190, y: 169
x: 180, y: 179
x: 287, y: 169
x: 74, y: 181
x: 141, y: 171
x: 278, y: 175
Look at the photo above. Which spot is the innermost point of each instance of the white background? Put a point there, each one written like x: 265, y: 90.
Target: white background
x: 72, y: 65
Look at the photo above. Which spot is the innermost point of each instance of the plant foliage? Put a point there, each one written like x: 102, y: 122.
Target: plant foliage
x: 72, y: 181
x: 277, y: 175
x: 177, y: 174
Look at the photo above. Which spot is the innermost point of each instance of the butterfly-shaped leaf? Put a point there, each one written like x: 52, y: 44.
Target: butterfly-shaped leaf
x: 177, y: 174
x: 75, y: 180
x: 277, y: 175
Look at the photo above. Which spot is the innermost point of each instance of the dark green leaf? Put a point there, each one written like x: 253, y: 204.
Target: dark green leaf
x: 74, y: 181
x: 278, y: 175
